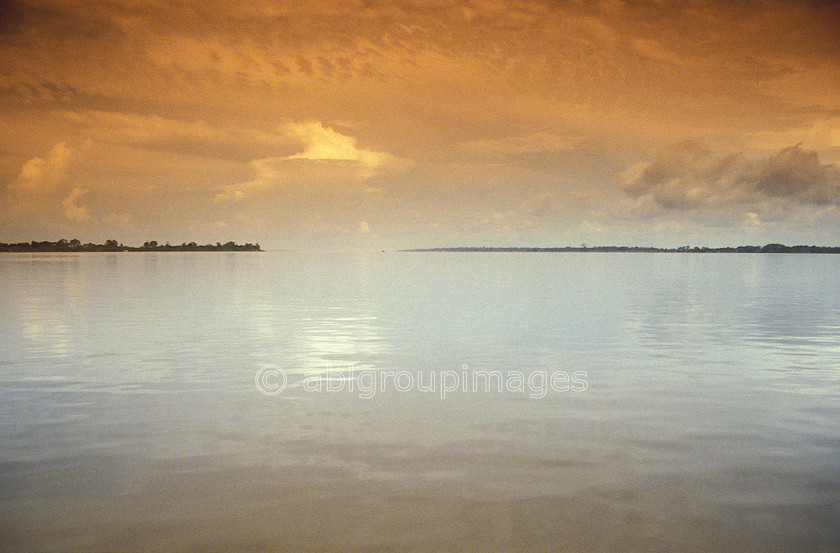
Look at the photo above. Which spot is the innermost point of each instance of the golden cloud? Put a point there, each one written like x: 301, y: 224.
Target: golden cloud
x: 327, y: 157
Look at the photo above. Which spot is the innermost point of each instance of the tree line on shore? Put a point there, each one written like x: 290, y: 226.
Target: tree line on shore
x: 768, y: 248
x: 75, y: 245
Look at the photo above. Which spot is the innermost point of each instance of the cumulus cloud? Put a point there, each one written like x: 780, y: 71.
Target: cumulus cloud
x: 689, y: 176
x: 797, y: 173
x: 327, y: 157
x: 46, y: 191
x: 39, y: 174
x: 324, y: 143
x: 42, y: 183
x: 72, y: 210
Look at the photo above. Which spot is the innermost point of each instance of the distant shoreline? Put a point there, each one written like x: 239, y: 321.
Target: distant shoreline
x: 75, y: 246
x: 769, y: 248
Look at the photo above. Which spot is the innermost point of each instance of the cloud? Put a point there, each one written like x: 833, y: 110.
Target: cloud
x: 45, y: 191
x: 39, y: 174
x: 73, y: 211
x: 323, y: 143
x: 327, y: 157
x: 688, y: 176
x: 797, y: 173
x: 41, y: 185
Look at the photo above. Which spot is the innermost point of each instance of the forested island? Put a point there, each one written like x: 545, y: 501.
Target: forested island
x: 768, y: 248
x: 75, y: 245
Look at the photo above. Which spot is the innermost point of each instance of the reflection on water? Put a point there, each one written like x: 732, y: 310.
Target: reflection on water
x: 130, y: 420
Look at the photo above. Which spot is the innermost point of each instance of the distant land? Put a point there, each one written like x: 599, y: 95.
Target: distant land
x: 769, y: 248
x: 73, y: 246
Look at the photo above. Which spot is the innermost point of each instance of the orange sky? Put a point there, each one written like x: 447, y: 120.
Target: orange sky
x: 367, y: 125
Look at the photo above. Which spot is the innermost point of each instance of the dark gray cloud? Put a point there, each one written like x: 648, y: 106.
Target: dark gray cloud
x: 797, y: 173
x: 689, y: 176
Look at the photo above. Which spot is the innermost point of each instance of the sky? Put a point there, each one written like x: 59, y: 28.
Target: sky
x: 356, y: 125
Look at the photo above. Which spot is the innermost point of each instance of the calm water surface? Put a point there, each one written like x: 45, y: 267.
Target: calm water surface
x: 131, y: 420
